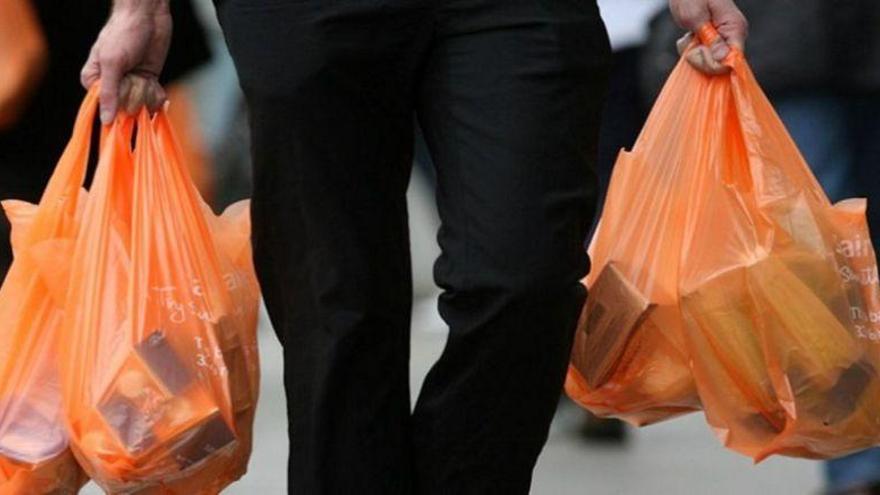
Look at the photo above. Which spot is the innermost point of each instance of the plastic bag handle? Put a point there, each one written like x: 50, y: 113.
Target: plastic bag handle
x: 707, y: 34
x: 71, y: 168
x: 59, y: 199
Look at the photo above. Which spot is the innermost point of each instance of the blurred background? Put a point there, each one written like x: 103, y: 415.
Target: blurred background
x: 818, y: 60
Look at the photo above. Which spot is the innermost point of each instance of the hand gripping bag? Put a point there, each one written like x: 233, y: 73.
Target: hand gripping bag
x: 717, y: 237
x: 160, y: 371
x: 34, y: 454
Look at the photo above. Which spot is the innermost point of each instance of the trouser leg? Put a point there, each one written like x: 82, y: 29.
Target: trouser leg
x: 510, y: 105
x: 330, y: 88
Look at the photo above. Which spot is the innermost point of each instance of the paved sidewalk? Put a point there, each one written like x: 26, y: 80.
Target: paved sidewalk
x: 680, y: 457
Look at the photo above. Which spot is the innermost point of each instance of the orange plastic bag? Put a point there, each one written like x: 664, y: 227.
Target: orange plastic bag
x: 34, y: 454
x: 160, y: 369
x: 729, y: 278
x: 23, y: 57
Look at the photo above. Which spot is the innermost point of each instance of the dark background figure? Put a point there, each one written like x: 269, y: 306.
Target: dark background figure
x: 29, y: 150
x: 819, y: 63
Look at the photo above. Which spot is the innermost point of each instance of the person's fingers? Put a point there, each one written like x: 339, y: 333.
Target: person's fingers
x: 719, y: 49
x: 136, y: 91
x: 730, y: 22
x: 695, y: 58
x: 91, y: 71
x: 133, y: 99
x: 111, y: 77
x: 724, y: 16
x: 735, y: 31
x: 689, y: 15
x: 155, y: 96
x: 701, y: 58
x: 683, y: 43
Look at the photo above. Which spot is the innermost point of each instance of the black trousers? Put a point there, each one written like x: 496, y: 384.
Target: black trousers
x: 509, y: 95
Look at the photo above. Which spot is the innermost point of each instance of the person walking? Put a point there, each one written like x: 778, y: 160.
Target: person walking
x: 509, y: 95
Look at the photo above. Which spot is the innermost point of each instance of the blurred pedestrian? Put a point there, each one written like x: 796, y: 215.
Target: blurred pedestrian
x: 509, y: 95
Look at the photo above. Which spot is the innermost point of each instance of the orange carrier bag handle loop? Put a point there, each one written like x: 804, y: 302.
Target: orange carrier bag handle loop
x: 180, y: 181
x: 126, y: 126
x: 62, y: 191
x: 707, y: 34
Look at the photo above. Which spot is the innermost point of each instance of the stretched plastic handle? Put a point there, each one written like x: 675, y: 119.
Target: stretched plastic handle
x: 707, y: 34
x: 62, y: 192
x: 71, y: 168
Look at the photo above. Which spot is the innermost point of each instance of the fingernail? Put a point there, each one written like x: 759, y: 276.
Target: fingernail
x: 106, y: 117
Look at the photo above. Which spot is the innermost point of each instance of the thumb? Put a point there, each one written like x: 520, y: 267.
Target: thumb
x: 684, y: 43
x: 90, y: 71
x: 111, y: 74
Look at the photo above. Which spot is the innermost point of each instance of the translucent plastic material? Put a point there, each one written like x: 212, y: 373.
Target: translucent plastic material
x: 762, y: 297
x: 160, y: 370
x: 34, y: 454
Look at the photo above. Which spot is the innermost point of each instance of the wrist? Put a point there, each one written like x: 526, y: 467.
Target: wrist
x: 140, y: 7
